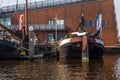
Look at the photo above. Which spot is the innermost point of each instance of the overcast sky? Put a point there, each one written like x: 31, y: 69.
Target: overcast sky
x: 117, y: 11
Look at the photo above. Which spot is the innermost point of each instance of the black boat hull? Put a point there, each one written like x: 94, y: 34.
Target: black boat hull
x: 8, y: 50
x: 9, y: 55
x: 95, y: 52
x: 68, y: 53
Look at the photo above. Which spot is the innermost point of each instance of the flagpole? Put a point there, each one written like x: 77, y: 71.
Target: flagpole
x: 26, y: 17
x: 56, y: 28
x: 23, y: 32
x: 101, y: 31
x: 21, y: 22
x: 101, y: 25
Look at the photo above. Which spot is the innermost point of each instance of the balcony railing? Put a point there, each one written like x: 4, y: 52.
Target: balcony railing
x: 41, y: 27
x: 41, y: 4
x: 48, y: 27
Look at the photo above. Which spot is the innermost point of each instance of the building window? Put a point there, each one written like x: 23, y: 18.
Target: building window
x: 85, y: 23
x: 88, y: 23
x: 5, y: 21
x: 2, y: 21
x: 8, y: 21
x: 50, y: 37
x: 60, y: 24
x: 60, y: 36
x: 51, y: 24
x: 103, y: 23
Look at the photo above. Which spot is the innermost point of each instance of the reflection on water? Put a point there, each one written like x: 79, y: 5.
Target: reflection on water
x: 52, y: 69
x: 116, y: 68
x: 92, y: 70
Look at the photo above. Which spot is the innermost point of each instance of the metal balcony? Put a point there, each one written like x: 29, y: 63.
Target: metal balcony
x: 40, y: 27
x: 41, y: 4
x: 48, y: 27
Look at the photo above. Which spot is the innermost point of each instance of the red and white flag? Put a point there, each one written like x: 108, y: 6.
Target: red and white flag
x: 21, y: 21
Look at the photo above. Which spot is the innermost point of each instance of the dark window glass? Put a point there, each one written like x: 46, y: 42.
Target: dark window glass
x: 90, y: 23
x: 85, y: 23
x: 51, y: 23
x: 103, y: 23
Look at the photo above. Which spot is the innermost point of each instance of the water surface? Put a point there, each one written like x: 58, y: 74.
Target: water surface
x: 54, y: 69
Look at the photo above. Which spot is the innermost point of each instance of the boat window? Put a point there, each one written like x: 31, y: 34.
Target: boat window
x: 67, y: 36
x: 74, y: 35
x: 1, y: 32
x: 71, y: 36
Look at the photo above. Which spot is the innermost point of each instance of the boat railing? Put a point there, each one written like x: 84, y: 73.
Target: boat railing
x: 10, y: 39
x: 1, y: 38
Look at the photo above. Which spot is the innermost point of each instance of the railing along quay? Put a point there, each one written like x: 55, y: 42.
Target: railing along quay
x: 112, y: 49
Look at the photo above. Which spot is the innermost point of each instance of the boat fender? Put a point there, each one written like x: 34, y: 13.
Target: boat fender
x: 23, y: 53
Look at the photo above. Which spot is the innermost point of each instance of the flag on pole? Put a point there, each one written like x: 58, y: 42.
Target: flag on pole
x: 99, y: 22
x: 21, y: 21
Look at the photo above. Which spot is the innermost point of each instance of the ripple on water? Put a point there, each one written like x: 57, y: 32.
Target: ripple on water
x: 52, y: 69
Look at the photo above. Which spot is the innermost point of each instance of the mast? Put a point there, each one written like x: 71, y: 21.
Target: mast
x: 26, y: 17
x: 81, y: 24
x: 56, y: 28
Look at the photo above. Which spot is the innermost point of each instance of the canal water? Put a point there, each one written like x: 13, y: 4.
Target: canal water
x: 54, y: 69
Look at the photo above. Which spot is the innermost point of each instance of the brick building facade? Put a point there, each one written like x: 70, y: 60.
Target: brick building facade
x: 68, y: 18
